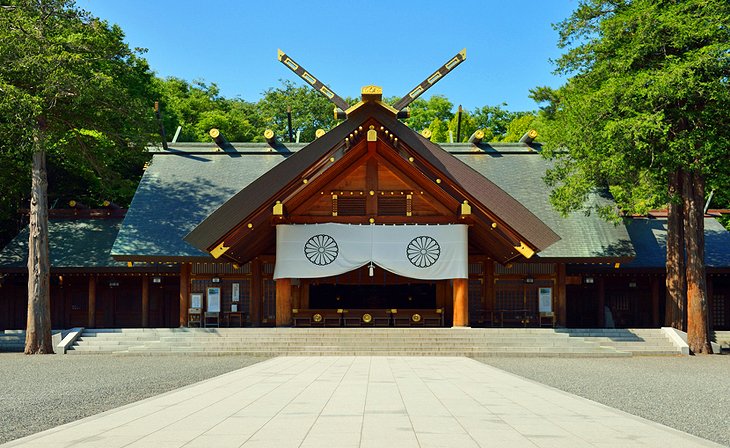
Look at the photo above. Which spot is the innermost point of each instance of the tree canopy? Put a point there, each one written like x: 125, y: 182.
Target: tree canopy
x: 650, y: 86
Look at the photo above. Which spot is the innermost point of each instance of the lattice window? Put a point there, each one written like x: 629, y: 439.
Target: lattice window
x: 718, y: 310
x: 510, y: 295
x: 349, y: 206
x: 269, y: 301
x: 476, y: 295
x: 618, y: 302
x: 392, y: 206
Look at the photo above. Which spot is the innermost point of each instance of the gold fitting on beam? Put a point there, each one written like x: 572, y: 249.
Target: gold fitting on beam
x: 438, y: 180
x: 426, y: 133
x: 219, y: 250
x: 268, y: 134
x: 465, y: 208
x: 372, y: 134
x: 249, y: 225
x: 319, y: 133
x: 532, y: 133
x: 278, y: 209
x: 214, y: 133
x: 617, y: 265
x: 525, y: 250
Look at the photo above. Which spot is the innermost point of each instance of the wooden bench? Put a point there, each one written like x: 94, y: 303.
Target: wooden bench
x: 418, y: 317
x: 316, y: 318
x: 366, y: 318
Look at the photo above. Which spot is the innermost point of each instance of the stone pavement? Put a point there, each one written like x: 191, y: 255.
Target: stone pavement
x: 364, y: 402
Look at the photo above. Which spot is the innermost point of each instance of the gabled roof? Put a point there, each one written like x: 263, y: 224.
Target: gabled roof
x: 82, y: 243
x: 205, y: 178
x: 260, y: 193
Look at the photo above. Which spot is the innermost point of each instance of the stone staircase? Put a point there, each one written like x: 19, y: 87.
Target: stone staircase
x: 637, y: 341
x: 722, y: 338
x: 473, y: 342
x: 12, y: 341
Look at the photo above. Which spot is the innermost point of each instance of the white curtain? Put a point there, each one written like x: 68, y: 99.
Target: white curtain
x: 426, y: 252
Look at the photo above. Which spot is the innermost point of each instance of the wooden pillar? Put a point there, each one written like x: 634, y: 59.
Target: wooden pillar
x: 256, y: 292
x: 185, y: 271
x: 561, y: 297
x: 283, y: 302
x: 601, y: 313
x: 91, y: 321
x: 145, y: 301
x: 461, y: 302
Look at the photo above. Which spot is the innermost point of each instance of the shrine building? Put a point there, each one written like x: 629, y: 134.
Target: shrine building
x: 371, y: 224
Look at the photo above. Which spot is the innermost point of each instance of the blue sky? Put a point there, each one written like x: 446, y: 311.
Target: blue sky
x: 348, y: 45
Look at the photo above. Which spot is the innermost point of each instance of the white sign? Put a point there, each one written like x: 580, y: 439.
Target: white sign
x: 235, y: 292
x: 214, y: 300
x: 234, y: 307
x: 196, y: 300
x: 416, y: 251
x: 546, y: 300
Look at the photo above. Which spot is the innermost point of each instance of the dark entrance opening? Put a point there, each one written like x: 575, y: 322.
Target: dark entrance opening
x: 405, y: 296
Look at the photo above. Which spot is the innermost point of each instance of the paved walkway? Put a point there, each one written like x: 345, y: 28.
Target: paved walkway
x: 336, y: 402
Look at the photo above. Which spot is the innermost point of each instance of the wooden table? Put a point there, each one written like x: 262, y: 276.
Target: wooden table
x: 230, y: 316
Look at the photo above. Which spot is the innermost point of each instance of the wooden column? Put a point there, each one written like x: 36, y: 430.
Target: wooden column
x: 185, y: 271
x: 145, y: 301
x: 256, y: 292
x: 601, y: 314
x: 283, y: 302
x: 561, y: 299
x: 91, y: 321
x: 461, y: 302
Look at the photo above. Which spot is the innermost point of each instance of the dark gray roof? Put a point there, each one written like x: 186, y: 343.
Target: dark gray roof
x: 179, y: 190
x: 72, y: 244
x: 650, y: 239
x: 520, y: 173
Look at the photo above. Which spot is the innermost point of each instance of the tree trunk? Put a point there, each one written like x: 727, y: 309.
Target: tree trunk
x: 676, y: 281
x: 694, y: 233
x: 38, y: 331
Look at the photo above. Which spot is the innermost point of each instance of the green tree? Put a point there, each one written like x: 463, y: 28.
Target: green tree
x: 424, y: 112
x: 439, y: 131
x: 646, y: 105
x: 77, y: 92
x: 468, y: 126
x: 518, y: 126
x: 310, y: 111
x: 495, y: 118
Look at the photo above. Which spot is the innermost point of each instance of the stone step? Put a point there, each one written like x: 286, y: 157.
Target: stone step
x: 379, y: 341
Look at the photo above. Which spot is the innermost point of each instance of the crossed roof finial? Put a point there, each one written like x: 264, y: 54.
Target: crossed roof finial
x: 342, y: 105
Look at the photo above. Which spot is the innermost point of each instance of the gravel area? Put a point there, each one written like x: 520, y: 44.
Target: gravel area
x: 691, y: 394
x: 41, y: 392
